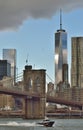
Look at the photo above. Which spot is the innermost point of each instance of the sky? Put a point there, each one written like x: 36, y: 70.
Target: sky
x: 29, y: 26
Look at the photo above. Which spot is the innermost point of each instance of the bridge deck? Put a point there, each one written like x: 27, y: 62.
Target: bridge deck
x: 38, y: 96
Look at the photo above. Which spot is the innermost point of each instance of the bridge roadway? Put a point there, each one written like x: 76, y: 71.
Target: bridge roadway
x: 19, y: 93
x: 50, y: 99
x: 62, y: 101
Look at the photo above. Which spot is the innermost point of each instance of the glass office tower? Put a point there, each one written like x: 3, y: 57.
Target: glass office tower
x: 10, y: 56
x: 5, y: 69
x: 60, y: 52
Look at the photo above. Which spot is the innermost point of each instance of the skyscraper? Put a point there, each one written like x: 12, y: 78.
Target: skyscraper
x: 60, y: 51
x: 10, y: 56
x: 77, y: 62
x: 5, y: 69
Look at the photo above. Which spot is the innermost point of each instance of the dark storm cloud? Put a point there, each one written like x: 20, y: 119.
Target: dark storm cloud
x: 14, y: 12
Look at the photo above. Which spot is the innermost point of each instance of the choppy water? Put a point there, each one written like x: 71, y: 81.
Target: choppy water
x: 20, y: 124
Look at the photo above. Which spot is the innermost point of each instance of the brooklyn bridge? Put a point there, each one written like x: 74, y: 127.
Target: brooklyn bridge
x: 34, y: 96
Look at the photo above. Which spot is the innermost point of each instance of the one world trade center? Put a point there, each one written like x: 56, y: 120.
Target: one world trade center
x: 60, y: 51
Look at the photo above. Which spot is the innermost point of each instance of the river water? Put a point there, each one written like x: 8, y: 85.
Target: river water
x: 21, y: 124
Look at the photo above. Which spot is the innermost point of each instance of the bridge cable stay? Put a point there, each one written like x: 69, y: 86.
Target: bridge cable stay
x: 49, y: 78
x: 20, y: 76
x: 47, y: 81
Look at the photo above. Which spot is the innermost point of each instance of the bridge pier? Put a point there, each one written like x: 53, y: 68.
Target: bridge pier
x: 34, y: 83
x: 34, y: 108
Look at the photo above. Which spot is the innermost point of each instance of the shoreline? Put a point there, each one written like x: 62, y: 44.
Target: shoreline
x: 68, y: 115
x: 56, y: 117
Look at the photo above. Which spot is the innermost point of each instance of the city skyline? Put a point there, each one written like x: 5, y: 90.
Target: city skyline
x: 33, y: 36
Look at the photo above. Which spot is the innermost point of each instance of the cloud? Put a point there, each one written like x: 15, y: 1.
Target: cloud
x: 14, y: 12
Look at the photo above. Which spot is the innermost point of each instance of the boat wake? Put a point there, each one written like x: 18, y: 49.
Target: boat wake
x: 13, y: 123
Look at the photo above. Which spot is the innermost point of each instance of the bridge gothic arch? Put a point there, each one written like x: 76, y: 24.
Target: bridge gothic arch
x: 37, y: 84
x: 30, y: 83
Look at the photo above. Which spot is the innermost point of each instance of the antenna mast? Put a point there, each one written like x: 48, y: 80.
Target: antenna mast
x: 27, y: 60
x: 60, y: 19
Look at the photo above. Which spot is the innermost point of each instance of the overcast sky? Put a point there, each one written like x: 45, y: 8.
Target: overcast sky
x: 29, y: 26
x: 14, y: 12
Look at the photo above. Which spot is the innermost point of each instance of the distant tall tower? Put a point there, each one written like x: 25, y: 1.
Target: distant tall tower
x: 77, y: 62
x: 10, y: 56
x: 60, y: 51
x: 5, y: 69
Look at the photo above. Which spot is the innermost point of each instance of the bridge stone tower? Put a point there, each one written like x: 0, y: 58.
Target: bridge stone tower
x: 34, y: 83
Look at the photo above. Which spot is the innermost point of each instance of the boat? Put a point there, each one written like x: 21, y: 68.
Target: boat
x: 46, y: 122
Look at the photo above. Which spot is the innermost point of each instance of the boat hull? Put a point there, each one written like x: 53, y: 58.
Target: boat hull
x: 47, y: 124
